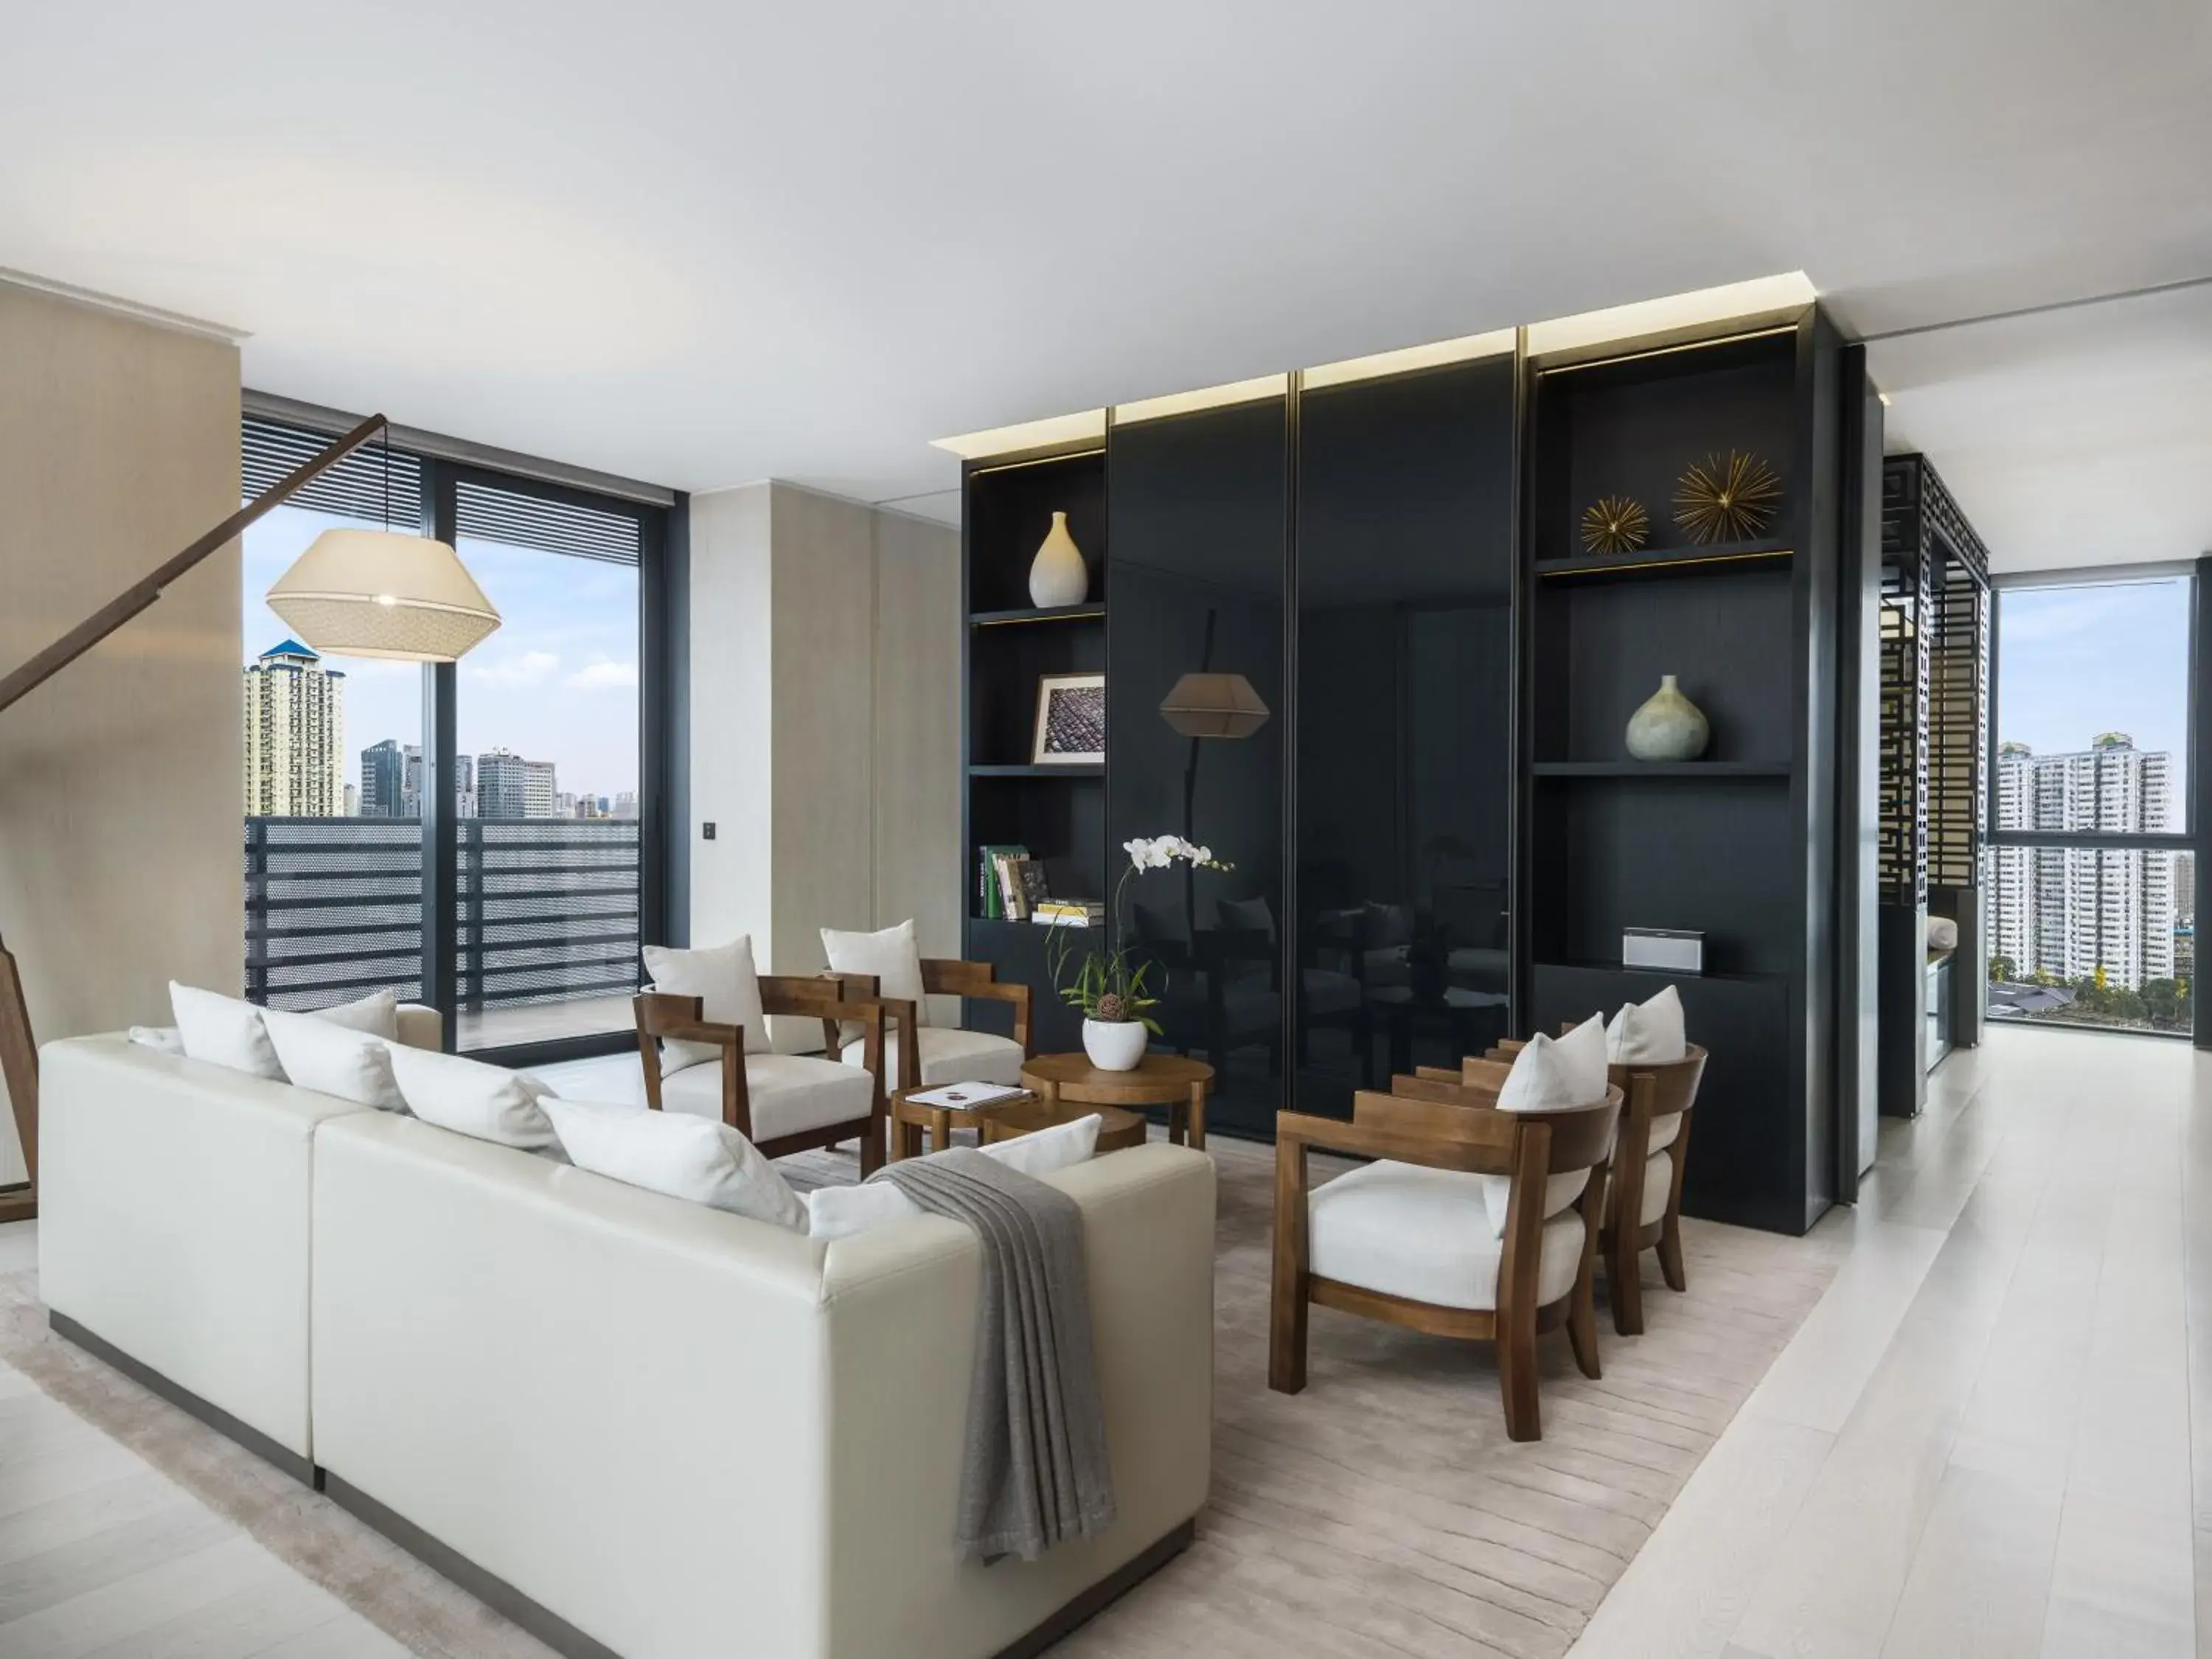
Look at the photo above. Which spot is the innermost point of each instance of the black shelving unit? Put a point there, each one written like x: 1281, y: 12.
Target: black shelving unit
x: 1739, y: 844
x: 1057, y: 811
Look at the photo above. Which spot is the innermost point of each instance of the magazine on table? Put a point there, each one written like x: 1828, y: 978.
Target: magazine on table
x: 965, y: 1094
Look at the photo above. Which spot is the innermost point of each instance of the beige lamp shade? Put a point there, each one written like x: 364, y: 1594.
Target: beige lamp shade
x: 1214, y: 706
x: 382, y: 594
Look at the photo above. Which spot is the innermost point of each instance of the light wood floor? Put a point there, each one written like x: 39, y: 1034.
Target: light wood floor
x: 1994, y: 1436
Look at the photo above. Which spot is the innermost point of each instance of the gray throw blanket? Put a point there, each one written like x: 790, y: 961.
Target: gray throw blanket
x: 1034, y: 1472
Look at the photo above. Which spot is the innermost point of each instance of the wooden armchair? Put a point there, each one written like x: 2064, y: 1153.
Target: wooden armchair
x: 944, y: 1053
x: 1334, y: 1245
x: 1644, y: 1205
x: 783, y: 1103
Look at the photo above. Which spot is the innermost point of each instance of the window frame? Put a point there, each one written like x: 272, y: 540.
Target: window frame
x: 2191, y: 755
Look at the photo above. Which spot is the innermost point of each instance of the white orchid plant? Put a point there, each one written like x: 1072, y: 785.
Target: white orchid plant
x: 1104, y: 984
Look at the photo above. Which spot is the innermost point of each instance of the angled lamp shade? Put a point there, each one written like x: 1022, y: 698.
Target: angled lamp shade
x: 1213, y: 706
x: 382, y: 594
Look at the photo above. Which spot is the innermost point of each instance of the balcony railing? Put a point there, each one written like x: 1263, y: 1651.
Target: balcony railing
x: 546, y: 911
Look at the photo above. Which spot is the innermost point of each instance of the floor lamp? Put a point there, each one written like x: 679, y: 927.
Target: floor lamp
x: 355, y: 592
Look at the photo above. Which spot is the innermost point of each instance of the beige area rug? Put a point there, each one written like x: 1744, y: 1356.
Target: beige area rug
x: 1382, y: 1512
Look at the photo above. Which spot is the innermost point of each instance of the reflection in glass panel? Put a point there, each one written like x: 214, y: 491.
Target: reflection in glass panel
x: 333, y: 771
x: 546, y: 781
x: 2092, y: 723
x: 1403, y: 938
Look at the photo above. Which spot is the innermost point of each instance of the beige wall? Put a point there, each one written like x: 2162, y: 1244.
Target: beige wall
x: 825, y: 739
x: 119, y: 780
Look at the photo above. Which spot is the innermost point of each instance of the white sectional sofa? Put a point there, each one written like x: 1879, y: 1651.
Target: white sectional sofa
x: 640, y: 1426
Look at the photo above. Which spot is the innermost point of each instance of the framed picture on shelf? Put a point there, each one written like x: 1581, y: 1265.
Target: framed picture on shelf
x: 1070, y: 720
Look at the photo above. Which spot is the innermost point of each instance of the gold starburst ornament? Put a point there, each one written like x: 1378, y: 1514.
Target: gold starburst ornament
x: 1615, y: 524
x: 1727, y: 498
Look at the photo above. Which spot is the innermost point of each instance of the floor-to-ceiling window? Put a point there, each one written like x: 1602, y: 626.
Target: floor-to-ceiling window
x: 2091, y: 875
x: 481, y: 835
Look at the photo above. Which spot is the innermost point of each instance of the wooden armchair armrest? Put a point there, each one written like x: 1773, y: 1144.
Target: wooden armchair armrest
x: 1452, y: 1116
x: 1436, y: 1074
x: 948, y: 976
x: 831, y: 998
x: 1487, y: 1148
x: 661, y: 1015
x: 899, y: 1014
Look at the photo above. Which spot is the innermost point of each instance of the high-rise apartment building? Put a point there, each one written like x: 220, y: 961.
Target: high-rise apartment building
x: 2071, y: 912
x: 509, y: 787
x: 383, y: 780
x: 294, y: 735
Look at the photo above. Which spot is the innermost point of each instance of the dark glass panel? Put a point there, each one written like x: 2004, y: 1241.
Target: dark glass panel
x: 1404, y: 561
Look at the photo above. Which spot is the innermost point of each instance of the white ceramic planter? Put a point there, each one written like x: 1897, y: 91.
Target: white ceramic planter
x: 1119, y: 1047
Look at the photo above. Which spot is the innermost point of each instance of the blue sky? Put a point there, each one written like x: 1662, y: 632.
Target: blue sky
x: 2077, y: 661
x: 557, y: 681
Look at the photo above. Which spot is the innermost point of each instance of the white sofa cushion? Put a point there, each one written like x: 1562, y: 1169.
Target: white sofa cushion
x: 949, y: 1054
x: 470, y: 1097
x: 333, y: 1059
x: 891, y: 954
x: 723, y: 980
x: 224, y: 1031
x: 377, y: 1013
x: 1425, y: 1235
x: 839, y: 1211
x: 788, y: 1094
x: 162, y: 1039
x: 1651, y: 1031
x: 1550, y: 1075
x: 694, y: 1159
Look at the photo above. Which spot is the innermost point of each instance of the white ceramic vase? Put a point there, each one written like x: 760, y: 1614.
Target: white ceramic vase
x: 1115, y: 1047
x: 1058, y: 576
x: 1669, y: 727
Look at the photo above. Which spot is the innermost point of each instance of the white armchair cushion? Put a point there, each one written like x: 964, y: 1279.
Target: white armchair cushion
x: 840, y: 1212
x: 1550, y: 1075
x: 723, y: 980
x: 483, y: 1102
x: 162, y: 1039
x: 1665, y: 1131
x: 684, y: 1157
x: 1651, y: 1031
x: 949, y: 1054
x: 332, y: 1059
x: 891, y: 955
x: 787, y: 1094
x: 1658, y: 1182
x: 1425, y: 1235
x: 224, y: 1031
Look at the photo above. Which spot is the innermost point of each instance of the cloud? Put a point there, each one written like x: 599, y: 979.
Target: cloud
x: 605, y: 675
x: 528, y: 669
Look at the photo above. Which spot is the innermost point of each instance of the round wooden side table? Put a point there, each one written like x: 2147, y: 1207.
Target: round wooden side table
x: 910, y: 1117
x: 1168, y: 1080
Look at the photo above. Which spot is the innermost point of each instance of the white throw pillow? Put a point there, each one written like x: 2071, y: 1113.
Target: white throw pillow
x: 224, y: 1031
x: 377, y: 1013
x: 1651, y: 1031
x: 333, y: 1060
x: 723, y: 980
x: 699, y: 1159
x: 891, y: 956
x: 162, y: 1039
x: 1550, y: 1074
x: 470, y: 1097
x: 840, y: 1212
x: 1942, y: 933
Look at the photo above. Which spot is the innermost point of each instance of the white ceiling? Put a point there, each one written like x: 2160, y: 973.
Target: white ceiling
x: 706, y: 244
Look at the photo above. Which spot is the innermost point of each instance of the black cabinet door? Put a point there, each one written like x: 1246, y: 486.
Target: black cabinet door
x: 1400, y: 923
x: 1199, y: 504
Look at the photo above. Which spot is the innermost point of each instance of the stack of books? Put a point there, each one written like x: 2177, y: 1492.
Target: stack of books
x: 1069, y: 913
x: 1010, y: 882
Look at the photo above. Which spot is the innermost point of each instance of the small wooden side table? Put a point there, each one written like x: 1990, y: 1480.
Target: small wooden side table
x: 1116, y: 1129
x: 1169, y: 1080
x: 910, y: 1117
